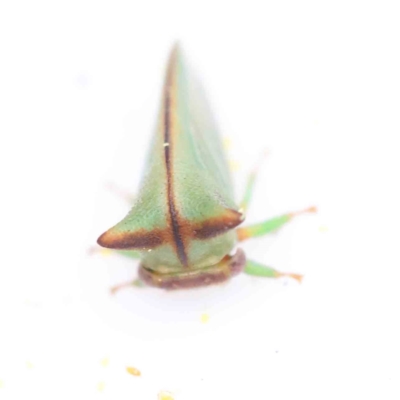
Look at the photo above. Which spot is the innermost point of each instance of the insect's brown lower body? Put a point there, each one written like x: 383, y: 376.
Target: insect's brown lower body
x: 228, y: 267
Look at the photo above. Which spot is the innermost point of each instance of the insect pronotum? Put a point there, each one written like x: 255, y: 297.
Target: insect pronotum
x: 183, y: 222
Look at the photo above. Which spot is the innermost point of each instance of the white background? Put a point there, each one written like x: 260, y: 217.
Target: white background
x: 315, y: 82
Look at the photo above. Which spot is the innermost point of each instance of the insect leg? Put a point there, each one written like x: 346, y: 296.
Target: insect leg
x: 125, y: 253
x: 136, y: 283
x: 270, y: 225
x: 248, y: 193
x: 105, y: 252
x: 128, y: 253
x: 256, y: 269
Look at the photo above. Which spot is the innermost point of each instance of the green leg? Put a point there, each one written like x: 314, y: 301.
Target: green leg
x: 125, y: 253
x: 270, y: 225
x: 105, y: 252
x: 248, y: 193
x: 256, y: 269
x: 135, y: 282
x: 128, y: 253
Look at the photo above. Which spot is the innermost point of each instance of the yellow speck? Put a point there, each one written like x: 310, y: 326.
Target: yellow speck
x: 105, y: 361
x: 166, y: 144
x: 29, y: 365
x: 100, y: 386
x: 204, y: 318
x: 323, y: 228
x: 105, y: 252
x: 138, y: 283
x: 234, y: 165
x: 133, y: 371
x: 227, y: 143
x: 1, y: 384
x: 165, y: 396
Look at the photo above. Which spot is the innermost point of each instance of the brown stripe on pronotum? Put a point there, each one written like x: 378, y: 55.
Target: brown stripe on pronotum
x: 216, y: 226
x: 143, y: 239
x: 135, y: 240
x: 168, y: 128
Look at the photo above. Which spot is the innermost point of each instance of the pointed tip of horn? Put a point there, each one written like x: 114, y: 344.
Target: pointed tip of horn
x: 106, y: 240
x: 136, y: 240
x: 218, y: 225
x: 176, y: 46
x: 175, y: 52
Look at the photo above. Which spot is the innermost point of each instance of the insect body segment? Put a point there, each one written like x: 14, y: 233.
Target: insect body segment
x: 184, y: 212
x: 182, y: 223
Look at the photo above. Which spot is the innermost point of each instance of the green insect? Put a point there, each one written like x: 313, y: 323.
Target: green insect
x: 183, y: 223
